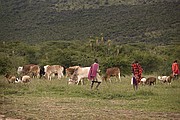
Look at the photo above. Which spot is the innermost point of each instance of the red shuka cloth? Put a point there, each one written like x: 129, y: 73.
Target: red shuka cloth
x: 175, y: 68
x: 93, y: 71
x: 137, y: 71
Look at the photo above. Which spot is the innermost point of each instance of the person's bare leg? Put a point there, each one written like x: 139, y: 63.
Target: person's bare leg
x: 98, y: 85
x: 92, y: 83
x: 136, y: 87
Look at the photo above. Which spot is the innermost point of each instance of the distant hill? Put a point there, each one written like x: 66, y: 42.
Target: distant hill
x: 125, y: 21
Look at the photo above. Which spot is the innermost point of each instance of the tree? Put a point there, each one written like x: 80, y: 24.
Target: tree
x: 102, y: 39
x: 109, y: 46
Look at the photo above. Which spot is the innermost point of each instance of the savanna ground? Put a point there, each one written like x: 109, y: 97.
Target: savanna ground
x: 55, y: 100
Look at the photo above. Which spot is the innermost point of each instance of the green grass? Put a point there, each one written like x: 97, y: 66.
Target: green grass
x: 41, y: 99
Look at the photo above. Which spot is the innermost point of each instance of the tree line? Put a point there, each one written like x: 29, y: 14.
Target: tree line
x: 153, y: 58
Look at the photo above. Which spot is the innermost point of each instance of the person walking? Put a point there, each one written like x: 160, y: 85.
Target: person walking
x: 175, y: 69
x: 93, y: 74
x: 137, y: 74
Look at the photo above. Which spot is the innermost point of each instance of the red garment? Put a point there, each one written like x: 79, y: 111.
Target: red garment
x: 175, y: 68
x: 93, y: 71
x: 137, y: 71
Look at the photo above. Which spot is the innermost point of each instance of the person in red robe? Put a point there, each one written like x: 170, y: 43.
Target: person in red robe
x: 137, y: 74
x: 93, y: 74
x: 175, y: 69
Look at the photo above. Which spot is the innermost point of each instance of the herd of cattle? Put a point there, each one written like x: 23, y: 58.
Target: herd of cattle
x: 76, y: 74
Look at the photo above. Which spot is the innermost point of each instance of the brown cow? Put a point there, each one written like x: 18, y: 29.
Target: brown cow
x: 70, y: 71
x: 10, y: 78
x: 114, y: 71
x: 53, y: 69
x: 32, y: 70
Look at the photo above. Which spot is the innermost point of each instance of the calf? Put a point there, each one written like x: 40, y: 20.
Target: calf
x: 52, y: 70
x: 150, y: 81
x: 10, y: 78
x: 114, y: 71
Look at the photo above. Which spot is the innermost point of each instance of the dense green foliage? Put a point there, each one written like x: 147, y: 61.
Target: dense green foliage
x: 125, y: 21
x: 154, y: 59
x: 74, y: 32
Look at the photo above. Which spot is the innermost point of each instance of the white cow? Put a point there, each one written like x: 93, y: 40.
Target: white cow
x: 79, y: 74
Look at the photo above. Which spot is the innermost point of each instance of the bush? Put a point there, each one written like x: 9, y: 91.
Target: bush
x: 5, y: 64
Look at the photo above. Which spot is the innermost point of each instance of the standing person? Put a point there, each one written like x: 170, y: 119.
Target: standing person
x: 93, y: 74
x: 175, y: 69
x: 137, y: 74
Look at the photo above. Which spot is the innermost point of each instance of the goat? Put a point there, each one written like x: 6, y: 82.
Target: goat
x: 150, y: 81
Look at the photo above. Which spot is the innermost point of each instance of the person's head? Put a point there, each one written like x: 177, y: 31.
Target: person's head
x: 135, y: 61
x: 175, y: 61
x: 96, y: 60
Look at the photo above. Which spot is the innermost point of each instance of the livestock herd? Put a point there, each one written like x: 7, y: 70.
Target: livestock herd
x: 76, y: 74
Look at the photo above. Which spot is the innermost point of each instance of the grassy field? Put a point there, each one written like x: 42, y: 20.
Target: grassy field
x: 43, y: 100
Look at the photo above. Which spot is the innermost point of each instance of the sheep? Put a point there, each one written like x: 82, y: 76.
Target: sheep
x: 162, y: 78
x: 26, y: 79
x: 143, y: 80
